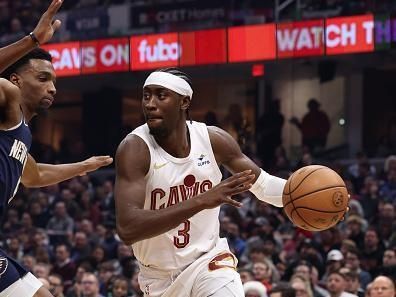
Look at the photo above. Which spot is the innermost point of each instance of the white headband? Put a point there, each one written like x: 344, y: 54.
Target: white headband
x: 169, y: 81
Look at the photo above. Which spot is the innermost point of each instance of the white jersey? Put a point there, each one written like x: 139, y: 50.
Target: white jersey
x: 172, y: 180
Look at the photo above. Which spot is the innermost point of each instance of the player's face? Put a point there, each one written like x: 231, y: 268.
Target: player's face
x: 162, y: 109
x: 37, y: 84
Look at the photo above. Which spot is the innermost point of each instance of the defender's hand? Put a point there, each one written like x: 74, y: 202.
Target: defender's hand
x: 94, y: 163
x: 222, y: 193
x: 47, y: 26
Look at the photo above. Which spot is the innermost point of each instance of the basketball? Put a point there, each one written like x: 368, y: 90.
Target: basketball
x: 315, y: 198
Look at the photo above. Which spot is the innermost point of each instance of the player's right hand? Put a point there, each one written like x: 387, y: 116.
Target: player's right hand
x: 46, y: 26
x: 222, y: 193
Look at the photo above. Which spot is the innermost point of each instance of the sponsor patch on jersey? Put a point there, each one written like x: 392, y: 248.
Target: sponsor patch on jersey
x: 203, y: 160
x: 223, y: 260
x: 3, y: 265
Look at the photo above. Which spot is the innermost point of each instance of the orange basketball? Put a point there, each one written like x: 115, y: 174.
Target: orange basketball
x: 315, y: 198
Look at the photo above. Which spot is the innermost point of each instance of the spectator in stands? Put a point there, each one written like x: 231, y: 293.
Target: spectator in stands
x: 304, y: 269
x: 282, y: 289
x: 369, y: 197
x: 90, y: 210
x: 389, y: 263
x: 90, y: 285
x: 72, y: 207
x: 354, y: 230
x: 263, y: 272
x: 301, y: 285
x: 269, y: 133
x: 254, y: 289
x: 135, y: 288
x: 41, y: 270
x: 107, y: 204
x: 64, y: 266
x: 334, y: 261
x: 336, y: 285
x: 314, y: 127
x: 352, y: 282
x: 81, y: 248
x: 118, y: 287
x: 76, y: 289
x: 317, y: 289
x: 14, y: 248
x: 246, y: 275
x: 60, y: 226
x: 29, y: 262
x: 388, y: 189
x: 14, y: 33
x: 352, y: 261
x: 236, y: 124
x: 236, y: 243
x: 361, y: 158
x: 105, y: 271
x: 383, y: 286
x: 56, y: 284
x: 98, y: 255
x: 373, y: 250
x: 39, y: 216
x: 385, y: 220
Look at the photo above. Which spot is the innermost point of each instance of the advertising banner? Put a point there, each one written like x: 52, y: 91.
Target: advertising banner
x: 154, y: 51
x: 300, y: 39
x: 203, y: 47
x: 251, y: 43
x: 107, y: 55
x: 350, y: 35
x: 66, y: 58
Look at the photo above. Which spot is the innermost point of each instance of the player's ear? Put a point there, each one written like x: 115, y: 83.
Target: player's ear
x: 185, y: 102
x: 15, y: 79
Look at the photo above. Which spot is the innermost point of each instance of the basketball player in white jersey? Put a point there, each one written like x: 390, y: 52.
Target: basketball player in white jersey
x: 169, y: 191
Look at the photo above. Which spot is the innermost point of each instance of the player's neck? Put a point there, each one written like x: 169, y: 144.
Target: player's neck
x: 177, y: 142
x: 27, y: 114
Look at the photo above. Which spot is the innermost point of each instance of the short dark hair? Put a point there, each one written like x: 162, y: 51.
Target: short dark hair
x: 177, y: 72
x: 37, y: 53
x: 284, y: 288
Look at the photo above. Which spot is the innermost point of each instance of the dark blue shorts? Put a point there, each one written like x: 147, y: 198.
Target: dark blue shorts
x: 10, y: 271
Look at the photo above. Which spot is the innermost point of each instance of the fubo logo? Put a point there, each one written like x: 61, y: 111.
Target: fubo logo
x: 160, y: 51
x: 153, y: 51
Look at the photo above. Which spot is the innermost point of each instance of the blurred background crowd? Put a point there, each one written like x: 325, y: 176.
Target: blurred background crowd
x: 66, y: 235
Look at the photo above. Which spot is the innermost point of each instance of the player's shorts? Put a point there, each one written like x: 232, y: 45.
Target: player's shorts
x: 15, y: 280
x: 209, y: 273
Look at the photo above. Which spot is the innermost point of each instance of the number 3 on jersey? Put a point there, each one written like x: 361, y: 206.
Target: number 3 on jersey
x: 183, y: 238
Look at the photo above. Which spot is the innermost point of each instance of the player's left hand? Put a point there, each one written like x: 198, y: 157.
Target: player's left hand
x: 46, y: 26
x: 94, y: 163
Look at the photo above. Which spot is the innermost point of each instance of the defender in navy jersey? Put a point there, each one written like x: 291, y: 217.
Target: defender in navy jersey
x: 27, y: 87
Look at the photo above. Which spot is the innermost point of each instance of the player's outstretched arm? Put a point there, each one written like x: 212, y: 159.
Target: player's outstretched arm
x: 43, y: 32
x: 266, y: 187
x: 134, y: 223
x: 37, y: 175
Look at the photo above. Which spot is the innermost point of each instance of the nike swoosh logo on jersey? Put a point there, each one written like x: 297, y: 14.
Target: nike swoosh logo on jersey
x: 158, y: 166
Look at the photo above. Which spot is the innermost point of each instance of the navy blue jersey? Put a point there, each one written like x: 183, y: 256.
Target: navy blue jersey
x: 14, y: 147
